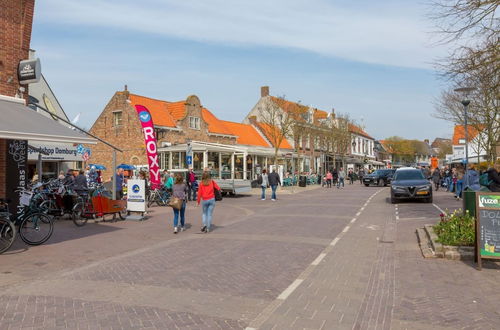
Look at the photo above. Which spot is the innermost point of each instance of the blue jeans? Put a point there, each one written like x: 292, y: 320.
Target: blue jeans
x: 182, y: 211
x: 208, y: 210
x: 263, y: 195
x: 448, y: 182
x: 273, y: 189
x: 340, y: 182
x: 460, y: 184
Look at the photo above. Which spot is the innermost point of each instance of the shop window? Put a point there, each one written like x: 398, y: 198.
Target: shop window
x: 194, y: 122
x: 117, y: 118
x: 213, y: 164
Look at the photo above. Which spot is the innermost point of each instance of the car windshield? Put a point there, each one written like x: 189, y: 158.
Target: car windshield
x: 409, y: 175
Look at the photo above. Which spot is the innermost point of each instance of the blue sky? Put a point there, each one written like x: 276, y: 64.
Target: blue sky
x: 371, y: 59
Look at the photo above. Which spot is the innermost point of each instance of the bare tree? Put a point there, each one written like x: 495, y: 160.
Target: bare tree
x: 278, y: 118
x: 341, y: 136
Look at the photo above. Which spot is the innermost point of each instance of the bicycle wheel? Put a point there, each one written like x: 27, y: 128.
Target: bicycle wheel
x: 7, y: 234
x: 77, y: 215
x: 45, y: 206
x: 36, y: 228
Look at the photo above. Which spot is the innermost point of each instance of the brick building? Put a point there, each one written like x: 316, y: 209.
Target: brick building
x: 231, y: 150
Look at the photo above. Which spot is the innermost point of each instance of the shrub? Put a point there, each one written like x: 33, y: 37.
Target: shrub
x: 456, y: 229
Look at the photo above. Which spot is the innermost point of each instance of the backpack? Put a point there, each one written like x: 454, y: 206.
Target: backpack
x: 483, y: 180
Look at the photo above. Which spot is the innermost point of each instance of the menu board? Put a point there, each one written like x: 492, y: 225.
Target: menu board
x: 488, y: 225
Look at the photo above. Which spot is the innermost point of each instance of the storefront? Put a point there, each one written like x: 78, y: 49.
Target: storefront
x: 55, y: 157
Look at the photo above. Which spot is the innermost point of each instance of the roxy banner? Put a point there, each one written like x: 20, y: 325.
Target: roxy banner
x: 150, y: 141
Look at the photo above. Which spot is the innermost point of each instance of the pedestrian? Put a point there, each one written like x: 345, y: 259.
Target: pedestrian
x: 119, y: 183
x: 179, y: 190
x: 207, y: 194
x: 341, y: 178
x: 447, y: 178
x: 460, y: 182
x: 329, y: 179
x: 274, y: 181
x: 436, y: 178
x: 335, y: 176
x: 263, y: 181
x: 61, y: 176
x: 494, y: 178
x: 80, y: 183
x: 351, y: 176
x: 169, y: 183
x: 191, y: 183
x: 472, y: 179
x: 361, y: 174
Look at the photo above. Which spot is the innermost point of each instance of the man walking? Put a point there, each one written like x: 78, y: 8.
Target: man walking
x: 263, y: 181
x: 274, y: 181
x: 191, y: 185
x: 341, y: 178
x: 119, y: 183
x: 361, y: 174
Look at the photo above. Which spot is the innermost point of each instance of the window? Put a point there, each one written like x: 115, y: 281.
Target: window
x: 194, y: 122
x: 117, y: 118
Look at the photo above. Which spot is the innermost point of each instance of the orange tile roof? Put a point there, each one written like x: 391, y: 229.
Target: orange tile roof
x: 177, y: 109
x: 246, y: 134
x: 320, y: 114
x: 267, y: 129
x: 459, y: 133
x: 215, y: 125
x: 157, y: 108
x: 358, y: 130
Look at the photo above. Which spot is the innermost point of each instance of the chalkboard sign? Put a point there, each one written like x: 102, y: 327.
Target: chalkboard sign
x: 487, y: 226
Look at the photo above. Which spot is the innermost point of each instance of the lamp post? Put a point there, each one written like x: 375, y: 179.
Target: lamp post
x: 465, y: 101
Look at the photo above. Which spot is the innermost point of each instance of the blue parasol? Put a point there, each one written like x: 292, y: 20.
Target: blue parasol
x: 126, y: 167
x: 97, y: 167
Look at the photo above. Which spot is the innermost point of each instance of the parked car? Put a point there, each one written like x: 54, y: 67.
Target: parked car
x: 379, y: 177
x: 410, y: 183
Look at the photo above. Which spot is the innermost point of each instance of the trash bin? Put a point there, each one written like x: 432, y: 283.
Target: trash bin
x: 469, y: 200
x: 302, y: 181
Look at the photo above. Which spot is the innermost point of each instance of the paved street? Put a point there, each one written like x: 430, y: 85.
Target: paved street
x: 319, y: 259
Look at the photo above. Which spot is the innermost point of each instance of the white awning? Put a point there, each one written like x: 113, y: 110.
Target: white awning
x: 22, y: 123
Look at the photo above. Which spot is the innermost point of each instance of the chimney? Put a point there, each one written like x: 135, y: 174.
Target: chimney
x: 264, y: 91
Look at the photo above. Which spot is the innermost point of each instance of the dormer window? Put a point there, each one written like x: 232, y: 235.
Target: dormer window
x: 461, y: 141
x: 194, y: 122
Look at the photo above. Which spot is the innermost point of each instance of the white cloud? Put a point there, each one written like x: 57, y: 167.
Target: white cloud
x: 389, y: 33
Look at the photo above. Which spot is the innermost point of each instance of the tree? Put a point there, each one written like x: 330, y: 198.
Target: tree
x: 445, y: 148
x: 341, y: 137
x: 402, y: 150
x: 278, y: 118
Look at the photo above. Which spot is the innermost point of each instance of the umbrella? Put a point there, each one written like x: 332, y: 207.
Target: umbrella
x: 97, y: 167
x: 126, y: 167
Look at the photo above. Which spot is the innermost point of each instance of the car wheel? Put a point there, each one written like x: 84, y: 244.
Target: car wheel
x: 393, y: 200
x: 367, y: 184
x: 429, y: 200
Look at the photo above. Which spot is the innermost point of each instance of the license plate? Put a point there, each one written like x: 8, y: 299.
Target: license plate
x: 422, y: 192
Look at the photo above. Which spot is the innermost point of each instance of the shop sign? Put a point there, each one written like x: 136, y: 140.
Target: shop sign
x: 150, y: 142
x: 29, y: 71
x: 487, y: 226
x: 58, y: 152
x: 136, y: 195
x: 17, y: 162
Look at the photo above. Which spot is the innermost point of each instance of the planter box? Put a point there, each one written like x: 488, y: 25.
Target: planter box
x: 431, y: 248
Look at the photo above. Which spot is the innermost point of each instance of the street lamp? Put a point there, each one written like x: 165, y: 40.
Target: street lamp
x: 465, y: 101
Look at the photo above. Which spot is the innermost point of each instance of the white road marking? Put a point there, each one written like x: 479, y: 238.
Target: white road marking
x: 318, y: 259
x: 335, y: 241
x: 353, y: 220
x: 288, y: 291
x: 440, y: 209
x: 358, y: 214
x: 346, y: 229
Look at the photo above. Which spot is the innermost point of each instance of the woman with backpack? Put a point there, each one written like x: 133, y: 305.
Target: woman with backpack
x: 206, y: 192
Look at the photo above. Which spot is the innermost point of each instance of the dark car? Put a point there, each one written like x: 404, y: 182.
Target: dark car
x: 379, y: 177
x: 408, y: 184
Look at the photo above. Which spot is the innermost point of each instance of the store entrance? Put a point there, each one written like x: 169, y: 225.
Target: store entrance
x: 49, y: 171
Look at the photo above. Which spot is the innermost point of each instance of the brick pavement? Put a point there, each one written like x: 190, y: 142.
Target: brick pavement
x: 299, y: 263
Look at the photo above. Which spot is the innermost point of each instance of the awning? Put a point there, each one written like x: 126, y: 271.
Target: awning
x: 375, y: 162
x: 22, y: 123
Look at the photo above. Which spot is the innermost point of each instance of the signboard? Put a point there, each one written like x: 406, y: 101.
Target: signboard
x: 58, y: 151
x: 150, y: 142
x: 189, y: 160
x: 136, y: 195
x: 16, y: 172
x: 29, y: 71
x: 487, y: 226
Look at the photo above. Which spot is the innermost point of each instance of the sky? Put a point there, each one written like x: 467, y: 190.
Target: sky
x: 370, y: 59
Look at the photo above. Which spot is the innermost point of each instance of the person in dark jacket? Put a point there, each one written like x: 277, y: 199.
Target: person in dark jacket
x: 80, y: 183
x: 494, y: 178
x: 274, y: 181
x: 436, y: 178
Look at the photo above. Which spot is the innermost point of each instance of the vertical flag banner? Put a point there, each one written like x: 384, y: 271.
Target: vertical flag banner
x: 150, y: 141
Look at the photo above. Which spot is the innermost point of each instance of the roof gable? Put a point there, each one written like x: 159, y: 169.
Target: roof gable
x: 459, y: 133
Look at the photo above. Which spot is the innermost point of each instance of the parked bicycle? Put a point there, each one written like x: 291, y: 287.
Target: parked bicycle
x: 159, y: 196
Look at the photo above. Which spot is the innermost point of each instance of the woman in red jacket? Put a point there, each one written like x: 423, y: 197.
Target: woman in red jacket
x: 207, y: 194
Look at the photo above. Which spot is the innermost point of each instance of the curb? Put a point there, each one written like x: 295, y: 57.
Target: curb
x: 431, y: 248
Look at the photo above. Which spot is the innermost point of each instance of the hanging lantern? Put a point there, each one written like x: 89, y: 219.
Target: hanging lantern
x: 196, y: 158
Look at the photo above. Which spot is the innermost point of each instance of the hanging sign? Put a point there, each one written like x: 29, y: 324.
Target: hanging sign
x: 16, y: 172
x: 150, y: 142
x: 29, y: 71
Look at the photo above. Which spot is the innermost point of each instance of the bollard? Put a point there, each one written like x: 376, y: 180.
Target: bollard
x: 469, y: 201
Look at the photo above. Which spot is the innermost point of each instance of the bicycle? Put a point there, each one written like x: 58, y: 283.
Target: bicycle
x: 158, y: 196
x: 7, y: 228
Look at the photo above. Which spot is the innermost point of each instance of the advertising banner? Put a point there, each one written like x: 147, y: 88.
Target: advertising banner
x: 16, y: 172
x: 487, y: 226
x: 136, y: 195
x: 150, y: 141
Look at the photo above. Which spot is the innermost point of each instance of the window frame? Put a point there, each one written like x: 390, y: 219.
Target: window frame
x: 196, y: 121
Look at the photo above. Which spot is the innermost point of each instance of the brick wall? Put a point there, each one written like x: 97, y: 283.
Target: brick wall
x: 129, y: 136
x: 16, y: 18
